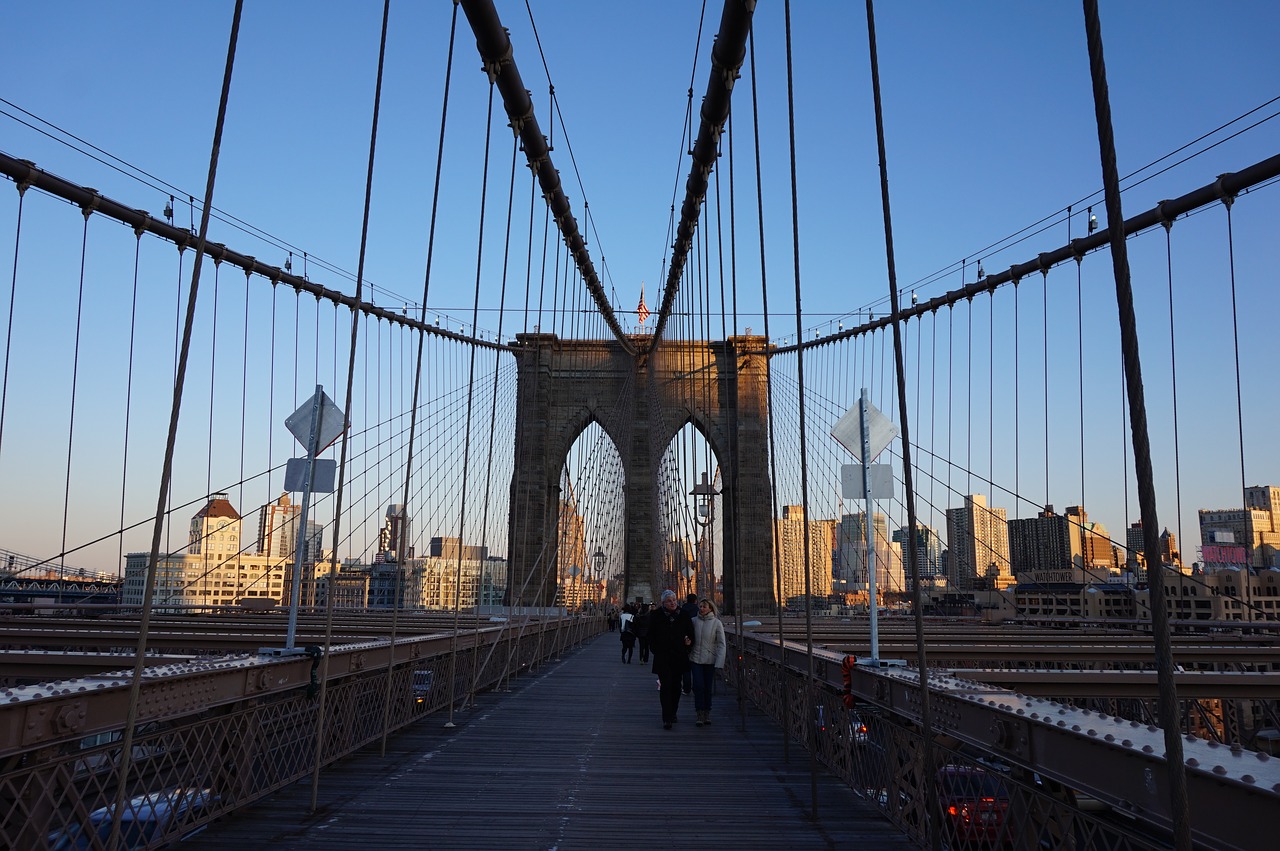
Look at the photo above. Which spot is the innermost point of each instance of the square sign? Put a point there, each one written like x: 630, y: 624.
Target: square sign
x: 880, y: 477
x: 330, y: 427
x: 848, y: 432
x: 295, y: 475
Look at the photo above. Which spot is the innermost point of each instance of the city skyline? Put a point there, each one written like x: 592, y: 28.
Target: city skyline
x: 959, y: 187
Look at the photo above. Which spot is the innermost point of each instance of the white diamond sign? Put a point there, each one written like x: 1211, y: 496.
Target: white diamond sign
x: 848, y: 431
x: 330, y: 427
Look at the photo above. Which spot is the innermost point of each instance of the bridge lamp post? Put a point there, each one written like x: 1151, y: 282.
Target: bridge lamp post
x: 597, y: 567
x: 704, y: 494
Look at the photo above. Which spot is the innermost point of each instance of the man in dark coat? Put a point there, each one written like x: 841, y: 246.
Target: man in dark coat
x: 689, y: 608
x: 670, y: 638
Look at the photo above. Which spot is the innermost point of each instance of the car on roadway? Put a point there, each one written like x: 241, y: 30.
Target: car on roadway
x: 975, y: 806
x: 165, y: 815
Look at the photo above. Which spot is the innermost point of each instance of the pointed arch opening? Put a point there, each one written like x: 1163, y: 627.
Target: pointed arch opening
x: 691, y: 527
x: 590, y: 527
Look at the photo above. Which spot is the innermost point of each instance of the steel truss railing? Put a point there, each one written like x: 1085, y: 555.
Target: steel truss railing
x: 228, y: 731
x: 1031, y: 773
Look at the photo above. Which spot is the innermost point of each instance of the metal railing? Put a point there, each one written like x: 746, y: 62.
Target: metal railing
x: 216, y: 735
x: 1009, y: 771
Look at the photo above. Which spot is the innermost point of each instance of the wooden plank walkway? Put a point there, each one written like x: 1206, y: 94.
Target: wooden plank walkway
x: 574, y: 757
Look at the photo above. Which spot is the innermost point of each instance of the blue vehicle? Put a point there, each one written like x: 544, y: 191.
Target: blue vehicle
x: 166, y: 815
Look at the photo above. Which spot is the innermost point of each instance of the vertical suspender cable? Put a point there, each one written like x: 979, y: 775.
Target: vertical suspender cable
x: 1079, y: 258
x: 13, y: 290
x: 346, y: 408
x: 1017, y: 405
x: 926, y: 716
x: 768, y: 384
x: 166, y: 470
x: 1179, y: 806
x: 497, y: 364
x: 968, y: 452
x: 402, y: 548
x: 128, y: 397
x: 75, y: 373
x: 244, y: 412
x: 1044, y: 280
x: 1173, y: 370
x: 736, y: 499
x: 991, y: 398
x: 466, y: 432
x: 1235, y: 340
x: 804, y: 459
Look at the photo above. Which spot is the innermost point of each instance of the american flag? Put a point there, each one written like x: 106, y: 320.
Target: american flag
x: 642, y: 310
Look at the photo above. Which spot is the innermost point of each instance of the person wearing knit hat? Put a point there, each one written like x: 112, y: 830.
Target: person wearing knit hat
x: 670, y: 639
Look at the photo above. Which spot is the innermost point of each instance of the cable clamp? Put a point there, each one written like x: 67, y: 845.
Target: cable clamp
x: 1227, y: 198
x: 29, y: 181
x: 1076, y: 251
x: 91, y: 207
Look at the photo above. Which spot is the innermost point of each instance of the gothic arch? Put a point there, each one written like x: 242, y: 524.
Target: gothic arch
x: 642, y: 403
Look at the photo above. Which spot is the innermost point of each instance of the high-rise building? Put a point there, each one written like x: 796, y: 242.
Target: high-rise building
x: 1136, y: 545
x: 1098, y: 551
x: 928, y: 552
x: 215, y: 529
x: 851, y: 554
x: 1048, y: 542
x: 395, y: 529
x: 278, y: 528
x: 1255, y: 528
x: 1169, y: 549
x: 571, y: 537
x: 978, y: 545
x: 791, y: 529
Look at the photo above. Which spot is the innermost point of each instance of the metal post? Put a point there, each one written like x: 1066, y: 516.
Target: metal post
x: 868, y: 533
x: 295, y: 592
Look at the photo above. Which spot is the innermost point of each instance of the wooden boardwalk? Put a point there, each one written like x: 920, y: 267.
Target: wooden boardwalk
x: 574, y: 757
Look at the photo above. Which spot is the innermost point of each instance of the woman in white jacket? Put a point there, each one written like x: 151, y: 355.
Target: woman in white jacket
x: 706, y: 656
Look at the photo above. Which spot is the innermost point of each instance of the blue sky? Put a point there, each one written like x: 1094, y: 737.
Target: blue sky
x: 989, y: 123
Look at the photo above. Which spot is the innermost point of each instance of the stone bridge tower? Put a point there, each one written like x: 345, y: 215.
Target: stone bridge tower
x: 642, y: 402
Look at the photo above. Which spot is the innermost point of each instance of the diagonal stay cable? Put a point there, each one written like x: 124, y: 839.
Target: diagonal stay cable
x: 727, y: 56
x: 495, y: 50
x: 166, y: 472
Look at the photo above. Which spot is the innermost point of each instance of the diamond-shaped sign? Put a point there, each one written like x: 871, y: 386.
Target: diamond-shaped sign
x: 330, y: 427
x: 848, y: 431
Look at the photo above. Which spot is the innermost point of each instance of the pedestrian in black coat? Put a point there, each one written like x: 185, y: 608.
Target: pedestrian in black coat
x: 670, y: 638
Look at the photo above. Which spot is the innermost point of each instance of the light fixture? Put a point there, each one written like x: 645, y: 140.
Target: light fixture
x: 704, y: 492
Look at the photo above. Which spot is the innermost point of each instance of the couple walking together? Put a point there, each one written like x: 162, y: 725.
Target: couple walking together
x: 683, y: 643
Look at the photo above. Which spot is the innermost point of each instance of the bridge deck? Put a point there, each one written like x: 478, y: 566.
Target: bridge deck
x: 574, y: 758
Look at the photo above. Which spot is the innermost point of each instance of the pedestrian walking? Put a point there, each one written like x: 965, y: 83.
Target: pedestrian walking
x: 690, y: 608
x: 670, y: 638
x: 640, y: 626
x: 628, y: 640
x: 705, y: 658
